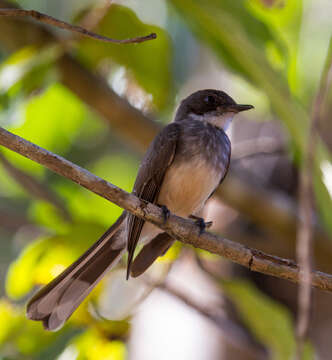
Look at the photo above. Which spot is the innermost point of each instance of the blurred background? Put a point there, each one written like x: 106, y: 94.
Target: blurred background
x: 99, y: 105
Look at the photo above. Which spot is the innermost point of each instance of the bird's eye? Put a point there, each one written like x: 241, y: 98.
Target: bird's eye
x: 210, y: 100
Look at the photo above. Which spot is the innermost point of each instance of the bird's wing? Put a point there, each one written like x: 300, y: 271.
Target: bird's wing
x: 150, y: 176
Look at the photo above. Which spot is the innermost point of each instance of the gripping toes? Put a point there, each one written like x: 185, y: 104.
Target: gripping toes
x: 200, y: 222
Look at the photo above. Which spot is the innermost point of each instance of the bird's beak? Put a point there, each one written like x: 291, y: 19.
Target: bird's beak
x: 237, y: 108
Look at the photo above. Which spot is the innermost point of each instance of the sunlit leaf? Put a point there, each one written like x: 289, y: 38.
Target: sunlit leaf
x: 93, y: 345
x: 150, y: 62
x: 284, y: 19
x: 51, y: 121
x: 46, y: 258
x: 27, y: 69
x: 119, y: 169
x: 18, y: 334
x: 242, y: 49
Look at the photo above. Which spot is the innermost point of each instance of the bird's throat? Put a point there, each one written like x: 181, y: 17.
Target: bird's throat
x: 221, y: 121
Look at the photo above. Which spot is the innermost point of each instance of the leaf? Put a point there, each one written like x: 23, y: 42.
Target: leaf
x: 269, y: 321
x: 284, y: 20
x: 92, y: 346
x: 222, y: 27
x: 51, y: 120
x: 120, y: 169
x: 20, y: 335
x: 45, y: 258
x: 27, y: 69
x: 149, y: 62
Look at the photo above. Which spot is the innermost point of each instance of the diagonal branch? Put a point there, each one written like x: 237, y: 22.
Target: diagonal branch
x: 138, y: 130
x: 181, y: 229
x: 73, y: 28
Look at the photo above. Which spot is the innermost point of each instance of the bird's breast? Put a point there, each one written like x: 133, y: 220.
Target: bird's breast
x: 187, y: 185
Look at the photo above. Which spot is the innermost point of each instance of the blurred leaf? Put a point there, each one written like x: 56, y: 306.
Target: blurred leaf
x: 92, y: 345
x: 9, y: 321
x: 225, y: 31
x: 120, y: 169
x: 324, y: 121
x: 52, y: 120
x: 48, y: 257
x: 171, y: 254
x: 27, y: 69
x: 269, y: 321
x: 18, y: 334
x: 150, y: 62
x: 284, y: 19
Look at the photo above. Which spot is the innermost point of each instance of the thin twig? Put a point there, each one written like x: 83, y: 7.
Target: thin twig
x: 304, y: 247
x: 181, y: 229
x: 73, y: 28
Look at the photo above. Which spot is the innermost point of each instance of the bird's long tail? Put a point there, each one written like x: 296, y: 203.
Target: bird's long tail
x: 55, y: 302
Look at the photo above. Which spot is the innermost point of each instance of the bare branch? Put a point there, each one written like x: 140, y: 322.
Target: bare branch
x: 181, y: 229
x: 306, y: 210
x: 73, y: 28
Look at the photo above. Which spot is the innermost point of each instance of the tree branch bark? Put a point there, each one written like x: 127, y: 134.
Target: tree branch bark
x: 184, y: 230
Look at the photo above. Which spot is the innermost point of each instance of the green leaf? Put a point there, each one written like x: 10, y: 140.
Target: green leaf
x: 93, y: 346
x: 27, y: 69
x: 284, y: 20
x: 45, y: 258
x: 269, y: 321
x: 224, y: 29
x: 120, y: 169
x: 51, y: 120
x: 20, y: 335
x: 149, y: 62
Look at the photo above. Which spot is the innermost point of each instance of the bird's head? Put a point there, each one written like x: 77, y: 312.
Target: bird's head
x: 212, y: 106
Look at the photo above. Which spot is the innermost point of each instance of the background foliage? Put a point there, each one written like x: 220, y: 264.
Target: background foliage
x: 269, y: 53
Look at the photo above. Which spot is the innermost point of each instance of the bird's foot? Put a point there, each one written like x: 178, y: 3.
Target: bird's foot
x: 200, y: 222
x: 166, y: 212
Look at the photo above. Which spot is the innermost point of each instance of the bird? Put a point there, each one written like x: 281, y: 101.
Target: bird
x: 180, y: 171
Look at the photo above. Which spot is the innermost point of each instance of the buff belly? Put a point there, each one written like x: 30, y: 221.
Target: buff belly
x: 185, y: 189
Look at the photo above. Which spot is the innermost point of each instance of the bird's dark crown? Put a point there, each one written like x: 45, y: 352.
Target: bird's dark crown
x: 208, y: 101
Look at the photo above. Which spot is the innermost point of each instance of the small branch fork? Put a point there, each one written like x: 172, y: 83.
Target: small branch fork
x: 181, y: 229
x: 73, y: 28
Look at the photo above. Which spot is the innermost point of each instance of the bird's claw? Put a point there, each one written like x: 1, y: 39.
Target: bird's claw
x: 166, y: 212
x: 200, y: 222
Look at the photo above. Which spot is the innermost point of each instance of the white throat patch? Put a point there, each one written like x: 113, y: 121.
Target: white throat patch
x: 222, y: 121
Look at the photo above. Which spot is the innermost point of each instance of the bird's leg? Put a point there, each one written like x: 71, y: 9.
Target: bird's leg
x: 166, y: 212
x: 200, y: 222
